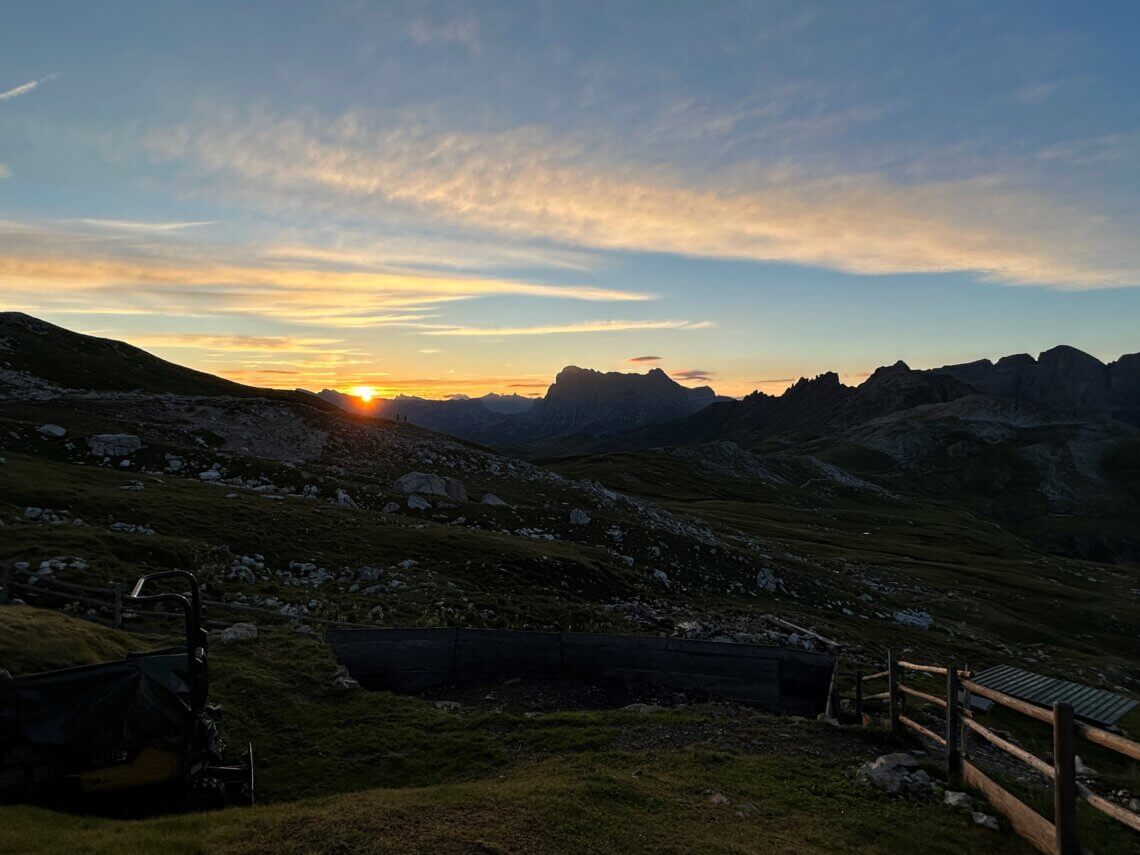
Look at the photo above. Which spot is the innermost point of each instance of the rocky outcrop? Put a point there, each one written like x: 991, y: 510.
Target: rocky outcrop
x: 113, y: 444
x: 430, y: 484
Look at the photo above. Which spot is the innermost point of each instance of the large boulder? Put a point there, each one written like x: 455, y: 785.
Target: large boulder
x: 113, y: 444
x: 430, y: 484
x: 239, y: 632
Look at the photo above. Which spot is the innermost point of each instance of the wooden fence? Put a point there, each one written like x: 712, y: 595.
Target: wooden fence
x: 114, y: 604
x: 1059, y: 836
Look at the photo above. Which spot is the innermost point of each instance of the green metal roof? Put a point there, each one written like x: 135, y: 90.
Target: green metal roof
x: 1096, y: 706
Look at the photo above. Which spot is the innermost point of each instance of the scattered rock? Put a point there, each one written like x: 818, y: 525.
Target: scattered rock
x: 889, y: 772
x: 431, y: 484
x: 391, y: 507
x: 210, y: 475
x: 1083, y: 770
x: 341, y: 680
x: 766, y: 580
x: 113, y: 444
x: 418, y: 503
x: 239, y: 632
x: 304, y: 629
x: 644, y: 709
x: 33, y: 513
x: 915, y: 618
x: 985, y: 821
x: 492, y: 499
x: 718, y: 799
x: 344, y: 500
x: 958, y: 801
x: 579, y: 517
x: 51, y: 430
x: 447, y: 706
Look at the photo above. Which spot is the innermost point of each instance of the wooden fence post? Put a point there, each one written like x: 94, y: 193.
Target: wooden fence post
x: 953, y: 726
x: 1065, y: 781
x: 859, y: 696
x: 893, y: 690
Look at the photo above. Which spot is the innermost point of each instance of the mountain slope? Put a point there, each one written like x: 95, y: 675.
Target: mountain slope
x: 34, y: 352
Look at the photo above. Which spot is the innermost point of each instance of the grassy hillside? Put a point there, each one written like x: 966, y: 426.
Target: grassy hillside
x: 77, y: 361
x: 358, y: 771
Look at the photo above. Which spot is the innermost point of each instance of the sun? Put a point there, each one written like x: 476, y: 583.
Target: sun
x: 364, y: 393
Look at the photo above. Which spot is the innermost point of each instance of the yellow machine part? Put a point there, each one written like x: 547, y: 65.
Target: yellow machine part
x: 151, y: 766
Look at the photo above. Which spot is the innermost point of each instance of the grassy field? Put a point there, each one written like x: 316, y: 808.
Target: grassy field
x: 358, y: 771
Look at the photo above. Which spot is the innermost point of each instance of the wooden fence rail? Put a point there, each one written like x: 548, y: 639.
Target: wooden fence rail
x: 1059, y: 837
x: 114, y: 599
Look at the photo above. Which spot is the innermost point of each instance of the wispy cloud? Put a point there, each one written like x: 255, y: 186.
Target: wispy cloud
x: 136, y: 226
x: 526, y: 184
x: 5, y: 172
x: 240, y: 343
x: 46, y: 269
x: 563, y: 329
x: 644, y: 359
x: 25, y: 88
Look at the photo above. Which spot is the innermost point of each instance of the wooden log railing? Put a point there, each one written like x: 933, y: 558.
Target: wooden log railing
x: 111, y: 599
x: 1059, y: 837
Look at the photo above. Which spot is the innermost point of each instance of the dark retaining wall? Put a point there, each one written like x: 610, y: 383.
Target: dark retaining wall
x: 407, y: 660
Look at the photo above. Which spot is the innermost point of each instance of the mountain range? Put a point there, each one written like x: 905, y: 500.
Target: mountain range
x: 580, y: 402
x: 1025, y: 441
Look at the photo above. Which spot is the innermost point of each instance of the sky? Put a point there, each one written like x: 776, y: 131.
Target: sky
x: 453, y: 198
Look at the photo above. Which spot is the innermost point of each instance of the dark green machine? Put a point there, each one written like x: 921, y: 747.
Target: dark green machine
x: 142, y: 724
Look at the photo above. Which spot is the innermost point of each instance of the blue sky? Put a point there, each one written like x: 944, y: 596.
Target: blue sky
x: 466, y: 197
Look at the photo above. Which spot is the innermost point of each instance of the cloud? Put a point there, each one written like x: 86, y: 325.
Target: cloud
x: 584, y: 327
x: 5, y: 172
x: 644, y: 359
x: 25, y: 88
x: 135, y: 226
x: 694, y: 374
x: 45, y: 269
x: 527, y: 184
x: 239, y: 343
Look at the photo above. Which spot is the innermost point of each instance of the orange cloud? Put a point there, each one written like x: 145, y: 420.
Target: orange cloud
x: 525, y: 183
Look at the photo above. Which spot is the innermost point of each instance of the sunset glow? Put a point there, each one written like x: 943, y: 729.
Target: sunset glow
x: 364, y: 393
x: 440, y: 200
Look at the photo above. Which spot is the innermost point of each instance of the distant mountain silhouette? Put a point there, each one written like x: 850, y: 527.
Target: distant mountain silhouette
x: 1063, y: 377
x: 460, y: 416
x: 591, y: 403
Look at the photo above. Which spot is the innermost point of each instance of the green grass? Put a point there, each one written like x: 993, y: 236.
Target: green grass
x: 359, y: 771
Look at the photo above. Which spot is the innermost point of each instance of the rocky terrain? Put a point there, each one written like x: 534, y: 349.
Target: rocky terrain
x: 904, y: 522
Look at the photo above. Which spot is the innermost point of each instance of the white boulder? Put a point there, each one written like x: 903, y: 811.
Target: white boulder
x: 430, y: 484
x: 54, y: 431
x: 239, y: 632
x: 492, y: 499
